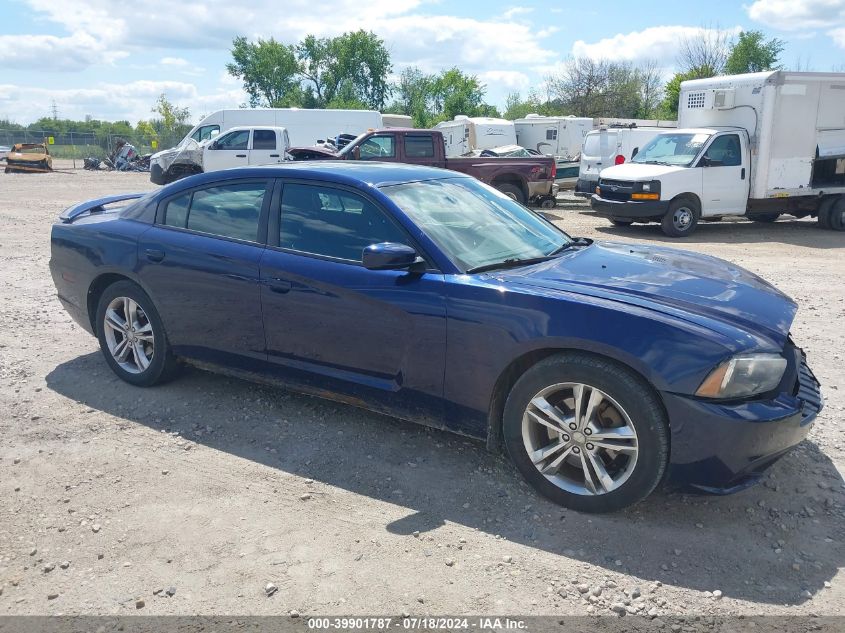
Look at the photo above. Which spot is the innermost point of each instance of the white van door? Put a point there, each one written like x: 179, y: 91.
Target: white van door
x: 724, y: 177
x: 229, y: 150
x: 265, y: 147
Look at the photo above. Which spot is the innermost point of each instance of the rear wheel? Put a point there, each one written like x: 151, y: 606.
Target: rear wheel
x: 765, y: 217
x: 512, y: 191
x: 834, y: 215
x: 681, y: 218
x: 132, y: 336
x: 586, y: 433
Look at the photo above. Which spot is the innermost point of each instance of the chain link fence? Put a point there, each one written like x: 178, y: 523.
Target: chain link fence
x: 80, y: 145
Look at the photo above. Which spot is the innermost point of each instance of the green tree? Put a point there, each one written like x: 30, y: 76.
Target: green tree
x: 350, y: 68
x: 457, y: 93
x: 269, y: 71
x: 752, y: 53
x: 170, y: 116
x: 414, y: 93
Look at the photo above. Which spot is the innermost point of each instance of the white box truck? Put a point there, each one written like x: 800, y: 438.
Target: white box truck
x: 464, y: 134
x: 758, y: 145
x: 558, y: 136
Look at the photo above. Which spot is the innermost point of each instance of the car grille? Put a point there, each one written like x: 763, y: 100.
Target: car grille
x: 808, y: 390
x: 616, y: 190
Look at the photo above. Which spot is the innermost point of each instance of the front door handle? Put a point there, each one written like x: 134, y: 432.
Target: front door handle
x: 154, y: 255
x: 278, y: 285
x: 240, y: 155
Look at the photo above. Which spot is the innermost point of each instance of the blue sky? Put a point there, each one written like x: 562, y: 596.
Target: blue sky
x: 111, y: 58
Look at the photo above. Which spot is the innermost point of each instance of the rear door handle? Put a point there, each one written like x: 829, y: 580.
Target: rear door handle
x: 279, y: 285
x: 274, y: 155
x: 240, y: 155
x: 154, y: 255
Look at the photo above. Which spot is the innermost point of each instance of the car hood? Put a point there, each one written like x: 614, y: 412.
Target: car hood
x: 639, y: 171
x: 683, y: 283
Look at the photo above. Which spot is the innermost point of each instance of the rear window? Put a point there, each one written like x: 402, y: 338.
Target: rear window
x: 419, y: 146
x: 592, y: 143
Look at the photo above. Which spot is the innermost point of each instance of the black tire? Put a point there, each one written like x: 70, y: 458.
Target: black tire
x: 823, y: 216
x: 512, y: 191
x: 836, y: 215
x: 616, y: 222
x: 765, y: 217
x: 162, y: 365
x: 682, y: 218
x: 631, y: 392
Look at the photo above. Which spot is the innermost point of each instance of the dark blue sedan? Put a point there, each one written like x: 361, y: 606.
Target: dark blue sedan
x: 603, y: 368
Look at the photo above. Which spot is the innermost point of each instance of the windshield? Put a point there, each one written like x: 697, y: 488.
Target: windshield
x: 672, y: 149
x: 474, y: 224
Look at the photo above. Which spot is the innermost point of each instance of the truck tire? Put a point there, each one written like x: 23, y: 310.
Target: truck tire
x: 825, y: 209
x: 512, y: 191
x: 681, y: 218
x: 836, y: 215
x: 765, y: 217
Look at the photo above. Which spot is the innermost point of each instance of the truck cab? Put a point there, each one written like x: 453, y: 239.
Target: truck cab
x: 678, y: 178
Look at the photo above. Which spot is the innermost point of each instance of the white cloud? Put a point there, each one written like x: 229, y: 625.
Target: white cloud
x: 505, y: 79
x: 515, y: 11
x: 795, y: 15
x: 655, y: 43
x: 49, y: 52
x: 130, y: 101
x: 174, y: 62
x: 802, y: 15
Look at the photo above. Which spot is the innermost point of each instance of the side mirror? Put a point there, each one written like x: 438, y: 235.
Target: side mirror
x: 635, y: 151
x: 213, y: 145
x: 356, y: 153
x: 214, y: 133
x: 389, y: 256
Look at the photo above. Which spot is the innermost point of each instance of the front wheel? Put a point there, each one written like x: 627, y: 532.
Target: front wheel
x: 132, y: 336
x: 586, y: 433
x: 681, y: 218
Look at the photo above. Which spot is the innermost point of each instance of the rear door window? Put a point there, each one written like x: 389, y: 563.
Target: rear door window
x: 264, y: 139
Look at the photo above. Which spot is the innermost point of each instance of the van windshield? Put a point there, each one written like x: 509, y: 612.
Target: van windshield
x: 672, y: 149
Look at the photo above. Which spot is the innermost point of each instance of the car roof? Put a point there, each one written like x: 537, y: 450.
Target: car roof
x: 354, y: 173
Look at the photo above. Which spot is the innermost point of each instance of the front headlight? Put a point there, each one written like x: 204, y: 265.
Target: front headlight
x: 744, y: 376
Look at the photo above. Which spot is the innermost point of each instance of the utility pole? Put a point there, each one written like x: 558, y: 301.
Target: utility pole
x: 55, y: 110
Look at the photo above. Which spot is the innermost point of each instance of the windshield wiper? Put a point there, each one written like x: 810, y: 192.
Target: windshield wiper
x: 513, y: 262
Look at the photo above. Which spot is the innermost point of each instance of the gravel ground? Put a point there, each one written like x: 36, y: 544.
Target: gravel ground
x: 194, y: 496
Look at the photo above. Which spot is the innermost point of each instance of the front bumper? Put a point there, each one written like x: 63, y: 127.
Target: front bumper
x: 724, y: 447
x: 645, y: 210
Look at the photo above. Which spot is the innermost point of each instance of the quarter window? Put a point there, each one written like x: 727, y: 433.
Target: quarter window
x: 176, y: 212
x: 332, y: 222
x: 419, y: 146
x: 264, y: 139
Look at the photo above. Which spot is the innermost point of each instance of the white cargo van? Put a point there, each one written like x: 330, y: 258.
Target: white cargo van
x: 606, y: 147
x: 238, y: 147
x: 559, y: 136
x: 305, y: 127
x: 465, y: 134
x: 759, y: 145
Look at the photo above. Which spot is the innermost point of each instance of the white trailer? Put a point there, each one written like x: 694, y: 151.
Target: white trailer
x: 559, y: 136
x: 465, y: 134
x: 760, y: 145
x: 305, y: 126
x: 397, y: 120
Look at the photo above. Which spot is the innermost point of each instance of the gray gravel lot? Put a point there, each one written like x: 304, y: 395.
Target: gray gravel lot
x: 192, y: 497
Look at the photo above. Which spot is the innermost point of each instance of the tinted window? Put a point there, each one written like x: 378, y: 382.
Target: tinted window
x: 229, y: 210
x: 725, y: 151
x: 263, y: 139
x: 332, y: 223
x: 377, y: 147
x: 419, y: 146
x: 176, y: 212
x: 234, y: 140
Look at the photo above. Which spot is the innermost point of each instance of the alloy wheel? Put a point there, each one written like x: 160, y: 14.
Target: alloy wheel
x: 129, y: 335
x: 580, y: 439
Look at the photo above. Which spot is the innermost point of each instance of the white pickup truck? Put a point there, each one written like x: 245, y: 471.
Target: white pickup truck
x: 758, y: 145
x: 239, y: 146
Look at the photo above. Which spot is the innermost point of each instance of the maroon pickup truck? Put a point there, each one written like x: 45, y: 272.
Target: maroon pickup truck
x: 526, y: 180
